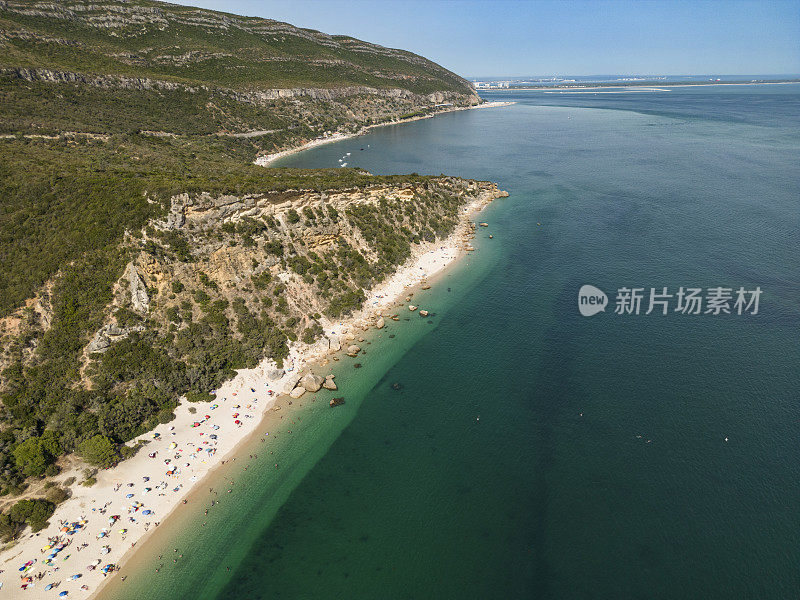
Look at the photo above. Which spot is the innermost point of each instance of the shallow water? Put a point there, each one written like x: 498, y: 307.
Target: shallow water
x: 509, y: 464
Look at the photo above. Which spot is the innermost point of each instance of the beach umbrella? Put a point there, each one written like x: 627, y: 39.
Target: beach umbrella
x: 129, y: 495
x: 48, y: 587
x: 76, y: 576
x: 147, y: 512
x: 64, y: 593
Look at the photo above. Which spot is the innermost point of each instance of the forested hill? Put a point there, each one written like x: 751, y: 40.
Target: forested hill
x: 192, y: 46
x: 144, y: 257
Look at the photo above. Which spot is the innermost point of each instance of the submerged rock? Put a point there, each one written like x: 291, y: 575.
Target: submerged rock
x: 423, y: 313
x: 336, y: 401
x: 352, y: 350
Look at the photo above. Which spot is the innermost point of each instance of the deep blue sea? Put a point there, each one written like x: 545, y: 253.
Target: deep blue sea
x: 532, y: 452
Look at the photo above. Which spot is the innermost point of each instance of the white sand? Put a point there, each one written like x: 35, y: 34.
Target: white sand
x: 191, y: 449
x: 337, y: 137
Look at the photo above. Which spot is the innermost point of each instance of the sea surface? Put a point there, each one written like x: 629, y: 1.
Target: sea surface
x: 531, y: 452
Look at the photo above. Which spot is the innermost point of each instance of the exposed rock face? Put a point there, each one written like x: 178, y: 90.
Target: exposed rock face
x: 423, y: 313
x: 329, y: 383
x: 233, y: 268
x: 139, y: 297
x: 297, y: 392
x: 109, y: 334
x: 275, y: 374
x: 312, y: 382
x: 291, y: 382
x: 100, y: 343
x: 321, y: 50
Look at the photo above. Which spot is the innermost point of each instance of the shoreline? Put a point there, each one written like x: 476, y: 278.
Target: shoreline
x: 180, y: 455
x: 267, y: 159
x: 633, y: 87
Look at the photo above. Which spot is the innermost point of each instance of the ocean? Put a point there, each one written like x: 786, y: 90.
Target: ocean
x: 532, y: 452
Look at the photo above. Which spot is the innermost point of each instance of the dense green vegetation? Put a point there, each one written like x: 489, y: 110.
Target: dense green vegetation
x: 69, y: 202
x: 86, y: 168
x: 25, y: 512
x: 215, y: 48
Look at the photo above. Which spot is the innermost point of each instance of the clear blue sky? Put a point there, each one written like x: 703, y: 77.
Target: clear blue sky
x: 545, y: 37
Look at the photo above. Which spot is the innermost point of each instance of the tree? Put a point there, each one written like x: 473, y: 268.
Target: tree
x: 99, y: 450
x: 35, y: 454
x: 33, y: 512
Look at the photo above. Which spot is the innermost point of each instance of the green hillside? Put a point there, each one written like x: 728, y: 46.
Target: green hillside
x: 201, y: 47
x: 109, y: 111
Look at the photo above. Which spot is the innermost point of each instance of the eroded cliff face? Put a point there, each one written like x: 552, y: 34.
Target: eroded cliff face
x: 143, y: 67
x: 257, y: 270
x: 299, y: 257
x: 139, y: 35
x: 261, y: 97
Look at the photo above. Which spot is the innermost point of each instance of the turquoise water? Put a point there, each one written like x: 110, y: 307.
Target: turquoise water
x: 510, y: 464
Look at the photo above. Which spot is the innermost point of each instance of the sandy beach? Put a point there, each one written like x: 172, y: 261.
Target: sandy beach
x: 337, y: 137
x: 98, y: 528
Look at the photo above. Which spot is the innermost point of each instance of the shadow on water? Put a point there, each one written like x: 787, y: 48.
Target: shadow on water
x: 550, y: 403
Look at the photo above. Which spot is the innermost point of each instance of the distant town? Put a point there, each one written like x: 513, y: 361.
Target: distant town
x: 495, y: 83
